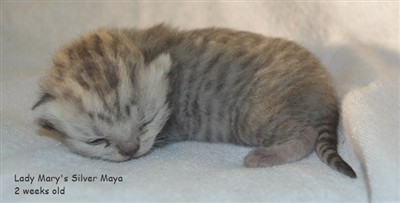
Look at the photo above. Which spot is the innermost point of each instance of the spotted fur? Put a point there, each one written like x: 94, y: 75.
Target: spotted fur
x: 116, y: 93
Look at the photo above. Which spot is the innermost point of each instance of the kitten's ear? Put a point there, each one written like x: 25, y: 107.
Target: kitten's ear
x: 162, y: 63
x: 43, y: 99
x: 155, y: 70
x: 46, y: 124
x: 153, y: 83
x: 52, y: 131
x: 43, y: 118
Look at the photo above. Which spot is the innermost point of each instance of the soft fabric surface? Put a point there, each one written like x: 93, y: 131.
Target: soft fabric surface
x: 358, y: 43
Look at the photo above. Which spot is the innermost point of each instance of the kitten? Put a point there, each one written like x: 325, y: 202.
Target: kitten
x: 115, y: 93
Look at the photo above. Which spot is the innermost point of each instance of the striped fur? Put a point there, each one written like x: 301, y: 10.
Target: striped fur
x: 326, y: 148
x: 116, y: 93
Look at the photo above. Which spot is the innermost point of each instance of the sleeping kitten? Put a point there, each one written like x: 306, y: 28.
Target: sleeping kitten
x: 115, y: 93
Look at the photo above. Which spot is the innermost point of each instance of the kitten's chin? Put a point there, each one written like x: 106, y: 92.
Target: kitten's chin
x: 121, y: 158
x: 145, y: 148
x: 112, y: 156
x: 140, y: 154
x: 118, y: 159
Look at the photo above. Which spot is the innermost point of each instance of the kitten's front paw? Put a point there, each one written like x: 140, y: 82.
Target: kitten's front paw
x: 261, y: 157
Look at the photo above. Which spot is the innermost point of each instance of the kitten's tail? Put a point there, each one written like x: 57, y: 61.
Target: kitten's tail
x: 326, y: 148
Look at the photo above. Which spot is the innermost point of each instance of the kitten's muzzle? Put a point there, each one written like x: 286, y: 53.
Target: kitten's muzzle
x: 129, y: 151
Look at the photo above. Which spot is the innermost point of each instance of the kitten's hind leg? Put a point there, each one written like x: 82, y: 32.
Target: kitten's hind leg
x: 299, y: 145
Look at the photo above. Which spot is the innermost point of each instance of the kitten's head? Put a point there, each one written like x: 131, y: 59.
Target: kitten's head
x: 103, y: 99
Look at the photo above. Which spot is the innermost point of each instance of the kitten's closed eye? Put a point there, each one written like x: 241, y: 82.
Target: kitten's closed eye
x: 98, y: 142
x: 141, y: 128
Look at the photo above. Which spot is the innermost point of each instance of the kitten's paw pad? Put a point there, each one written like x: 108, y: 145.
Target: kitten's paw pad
x: 261, y: 158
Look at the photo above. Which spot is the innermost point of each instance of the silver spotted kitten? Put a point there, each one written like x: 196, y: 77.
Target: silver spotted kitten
x: 116, y: 93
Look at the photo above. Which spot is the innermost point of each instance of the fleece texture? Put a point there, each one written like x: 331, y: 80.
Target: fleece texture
x: 357, y: 42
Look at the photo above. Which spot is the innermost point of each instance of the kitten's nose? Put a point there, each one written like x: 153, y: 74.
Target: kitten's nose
x: 129, y: 151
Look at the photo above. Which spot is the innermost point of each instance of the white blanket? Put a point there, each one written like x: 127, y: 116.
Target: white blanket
x: 357, y: 42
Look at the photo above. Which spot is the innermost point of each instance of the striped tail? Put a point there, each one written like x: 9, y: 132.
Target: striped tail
x: 326, y: 148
